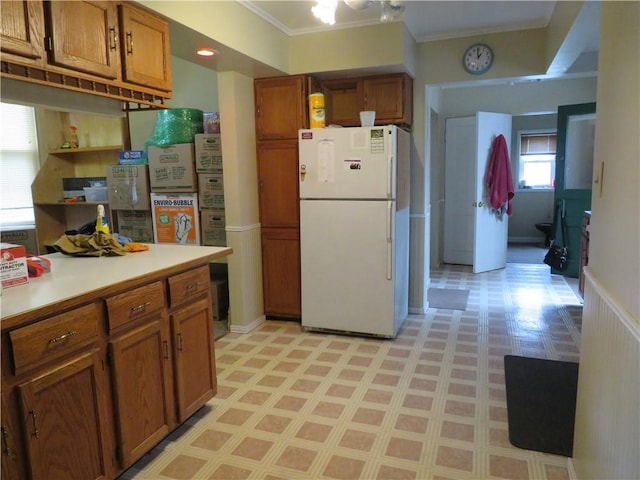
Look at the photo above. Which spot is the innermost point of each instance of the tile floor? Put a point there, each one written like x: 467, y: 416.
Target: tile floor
x: 428, y: 405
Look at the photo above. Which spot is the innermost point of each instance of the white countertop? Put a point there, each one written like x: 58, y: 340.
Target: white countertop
x: 72, y: 277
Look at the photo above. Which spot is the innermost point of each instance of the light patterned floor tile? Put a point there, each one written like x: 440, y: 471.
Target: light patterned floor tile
x: 429, y: 405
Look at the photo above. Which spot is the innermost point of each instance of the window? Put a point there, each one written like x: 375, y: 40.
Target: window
x: 537, y: 160
x: 18, y: 164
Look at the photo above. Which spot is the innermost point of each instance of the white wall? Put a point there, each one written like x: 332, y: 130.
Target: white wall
x: 607, y: 435
x: 193, y: 87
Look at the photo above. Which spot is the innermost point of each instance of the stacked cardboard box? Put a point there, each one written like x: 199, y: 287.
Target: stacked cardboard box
x: 174, y: 194
x: 208, y: 150
x: 128, y: 193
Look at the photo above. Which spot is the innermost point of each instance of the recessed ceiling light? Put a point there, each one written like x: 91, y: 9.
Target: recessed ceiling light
x: 205, y: 52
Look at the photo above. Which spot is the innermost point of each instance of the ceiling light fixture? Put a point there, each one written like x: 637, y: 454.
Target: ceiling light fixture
x: 205, y: 52
x: 325, y: 10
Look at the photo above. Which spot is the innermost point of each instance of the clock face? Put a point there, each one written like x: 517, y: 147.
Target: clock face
x: 477, y: 59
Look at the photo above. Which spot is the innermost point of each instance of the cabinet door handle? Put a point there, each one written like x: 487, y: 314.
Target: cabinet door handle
x: 113, y: 39
x: 34, y: 419
x: 179, y: 338
x: 5, y: 442
x: 165, y: 349
x: 129, y: 36
x: 62, y: 337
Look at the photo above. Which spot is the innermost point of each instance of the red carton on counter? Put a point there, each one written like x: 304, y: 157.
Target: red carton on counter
x: 13, y: 264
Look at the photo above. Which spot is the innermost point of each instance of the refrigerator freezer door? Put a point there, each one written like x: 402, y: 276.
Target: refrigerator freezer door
x: 346, y: 263
x: 348, y: 163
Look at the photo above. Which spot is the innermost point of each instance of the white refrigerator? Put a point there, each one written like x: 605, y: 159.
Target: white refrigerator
x: 354, y: 229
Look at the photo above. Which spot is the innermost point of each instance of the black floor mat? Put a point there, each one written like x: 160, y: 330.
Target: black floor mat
x: 541, y: 403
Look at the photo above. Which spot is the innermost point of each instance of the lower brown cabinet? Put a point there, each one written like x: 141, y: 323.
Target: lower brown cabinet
x: 64, y: 420
x: 195, y: 370
x: 87, y: 392
x: 281, y: 271
x: 142, y: 387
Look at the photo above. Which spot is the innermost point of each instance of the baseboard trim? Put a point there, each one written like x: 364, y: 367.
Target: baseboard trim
x: 572, y: 471
x: 417, y: 310
x: 247, y: 328
x: 526, y: 240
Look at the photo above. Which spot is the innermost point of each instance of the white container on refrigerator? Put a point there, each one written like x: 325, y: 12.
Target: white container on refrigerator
x: 354, y: 229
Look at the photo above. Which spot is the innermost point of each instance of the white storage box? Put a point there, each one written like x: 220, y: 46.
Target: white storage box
x: 13, y: 263
x: 95, y: 194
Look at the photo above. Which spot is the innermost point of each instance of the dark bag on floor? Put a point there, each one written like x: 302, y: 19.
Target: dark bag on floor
x: 556, y: 257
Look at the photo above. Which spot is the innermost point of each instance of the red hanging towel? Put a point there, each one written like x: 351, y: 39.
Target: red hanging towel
x: 498, y: 177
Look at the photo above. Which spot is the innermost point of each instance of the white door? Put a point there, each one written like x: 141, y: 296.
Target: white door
x: 473, y: 234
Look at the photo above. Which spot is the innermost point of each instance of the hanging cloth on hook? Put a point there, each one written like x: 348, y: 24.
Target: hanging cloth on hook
x: 498, y: 177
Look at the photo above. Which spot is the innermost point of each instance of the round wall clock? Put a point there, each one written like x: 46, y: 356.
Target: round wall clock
x: 478, y: 58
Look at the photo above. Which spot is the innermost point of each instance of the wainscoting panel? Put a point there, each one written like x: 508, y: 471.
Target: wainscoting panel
x: 246, y: 305
x: 607, y: 432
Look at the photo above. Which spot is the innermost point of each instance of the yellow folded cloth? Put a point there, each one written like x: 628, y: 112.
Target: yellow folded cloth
x: 95, y: 245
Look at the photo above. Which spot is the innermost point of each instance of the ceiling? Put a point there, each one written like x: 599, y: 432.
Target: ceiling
x: 427, y: 20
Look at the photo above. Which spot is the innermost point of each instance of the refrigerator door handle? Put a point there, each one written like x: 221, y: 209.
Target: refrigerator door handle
x: 389, y: 240
x: 390, y: 177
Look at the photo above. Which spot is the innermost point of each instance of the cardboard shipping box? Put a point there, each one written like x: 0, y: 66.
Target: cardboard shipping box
x: 213, y: 231
x: 208, y: 152
x: 175, y: 218
x: 128, y: 187
x: 211, y: 190
x: 136, y: 224
x: 13, y: 265
x: 172, y: 169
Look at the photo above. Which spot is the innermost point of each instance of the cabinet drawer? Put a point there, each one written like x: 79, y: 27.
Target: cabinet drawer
x: 135, y: 304
x: 188, y: 285
x: 53, y: 338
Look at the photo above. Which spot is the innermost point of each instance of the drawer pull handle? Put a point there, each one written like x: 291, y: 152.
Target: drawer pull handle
x: 5, y: 441
x: 62, y: 337
x: 191, y: 286
x: 140, y: 308
x: 34, y: 419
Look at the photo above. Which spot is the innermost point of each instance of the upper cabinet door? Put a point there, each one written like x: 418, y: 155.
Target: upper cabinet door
x: 146, y: 51
x: 83, y: 36
x: 390, y: 97
x: 281, y: 107
x: 22, y: 30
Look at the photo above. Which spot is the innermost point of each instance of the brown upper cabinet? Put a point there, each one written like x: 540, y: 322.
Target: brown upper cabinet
x: 145, y: 49
x: 83, y: 36
x: 22, y: 31
x: 281, y: 107
x: 390, y: 96
x: 102, y: 47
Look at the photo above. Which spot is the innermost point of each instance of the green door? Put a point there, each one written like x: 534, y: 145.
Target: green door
x: 574, y: 177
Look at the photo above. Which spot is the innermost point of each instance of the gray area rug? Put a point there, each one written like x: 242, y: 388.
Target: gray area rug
x: 448, y: 298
